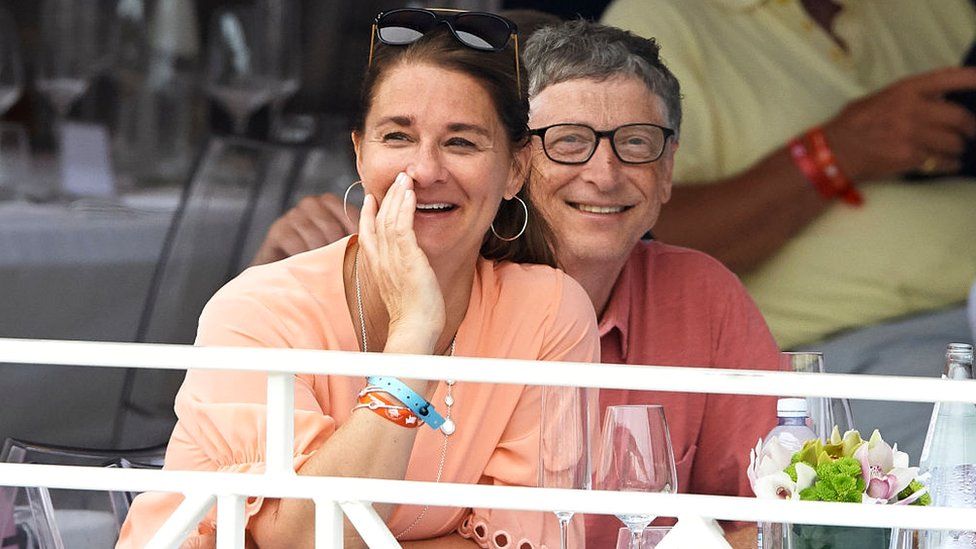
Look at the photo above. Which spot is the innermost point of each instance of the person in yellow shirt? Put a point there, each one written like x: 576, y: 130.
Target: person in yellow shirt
x: 772, y: 85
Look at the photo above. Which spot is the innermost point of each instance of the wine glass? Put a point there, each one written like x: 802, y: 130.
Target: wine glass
x: 11, y: 63
x: 283, y: 23
x: 825, y: 412
x: 636, y: 456
x: 564, y: 445
x: 72, y: 51
x: 14, y: 160
x: 240, y: 75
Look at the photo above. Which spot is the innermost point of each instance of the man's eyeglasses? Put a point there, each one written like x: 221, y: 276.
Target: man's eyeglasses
x: 576, y: 143
x: 475, y: 29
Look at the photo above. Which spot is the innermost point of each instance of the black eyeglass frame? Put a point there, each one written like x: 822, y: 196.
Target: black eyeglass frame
x: 448, y: 16
x: 609, y: 134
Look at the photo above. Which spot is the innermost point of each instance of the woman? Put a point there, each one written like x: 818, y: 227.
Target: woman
x: 440, y: 143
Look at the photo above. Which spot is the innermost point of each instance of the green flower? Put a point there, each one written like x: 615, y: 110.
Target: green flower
x: 915, y: 486
x: 791, y: 471
x: 837, y: 480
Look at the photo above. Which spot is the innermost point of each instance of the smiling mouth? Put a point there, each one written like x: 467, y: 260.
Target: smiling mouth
x: 435, y: 208
x: 606, y: 210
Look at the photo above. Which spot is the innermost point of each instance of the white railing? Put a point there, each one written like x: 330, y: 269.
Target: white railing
x: 229, y: 491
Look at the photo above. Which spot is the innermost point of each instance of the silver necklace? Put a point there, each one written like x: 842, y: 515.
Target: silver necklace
x: 447, y: 429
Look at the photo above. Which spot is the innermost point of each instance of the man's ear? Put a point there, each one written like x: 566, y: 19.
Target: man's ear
x: 521, y: 166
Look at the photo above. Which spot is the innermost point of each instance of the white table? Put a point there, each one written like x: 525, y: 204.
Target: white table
x: 79, y: 271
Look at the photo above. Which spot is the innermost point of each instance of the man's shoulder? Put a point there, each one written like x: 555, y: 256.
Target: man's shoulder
x: 659, y: 261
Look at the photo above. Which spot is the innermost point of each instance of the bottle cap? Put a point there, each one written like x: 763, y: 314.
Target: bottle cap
x: 959, y: 361
x: 959, y: 348
x: 791, y: 407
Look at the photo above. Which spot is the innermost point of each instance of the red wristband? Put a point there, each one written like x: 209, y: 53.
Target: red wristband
x: 827, y: 162
x: 813, y: 174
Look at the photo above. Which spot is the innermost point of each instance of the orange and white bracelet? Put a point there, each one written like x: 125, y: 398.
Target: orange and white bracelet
x: 387, y: 407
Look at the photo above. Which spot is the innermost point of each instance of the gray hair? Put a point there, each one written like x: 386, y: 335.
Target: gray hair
x: 582, y: 49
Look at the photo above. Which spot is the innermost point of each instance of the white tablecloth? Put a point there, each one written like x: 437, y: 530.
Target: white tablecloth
x: 80, y: 271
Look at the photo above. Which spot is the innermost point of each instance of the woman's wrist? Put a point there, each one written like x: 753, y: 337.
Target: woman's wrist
x: 411, y: 337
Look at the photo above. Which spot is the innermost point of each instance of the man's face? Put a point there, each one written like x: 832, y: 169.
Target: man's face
x: 600, y: 209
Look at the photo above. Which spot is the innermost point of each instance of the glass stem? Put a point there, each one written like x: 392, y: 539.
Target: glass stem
x: 564, y: 519
x: 56, y: 189
x: 636, y: 535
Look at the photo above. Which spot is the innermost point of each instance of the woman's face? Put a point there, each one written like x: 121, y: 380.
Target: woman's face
x: 439, y: 127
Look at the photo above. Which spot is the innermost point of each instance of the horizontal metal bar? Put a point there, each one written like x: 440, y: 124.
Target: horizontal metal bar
x: 655, y: 378
x: 495, y: 497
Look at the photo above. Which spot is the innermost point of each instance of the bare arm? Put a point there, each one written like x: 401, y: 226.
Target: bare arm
x: 745, y: 219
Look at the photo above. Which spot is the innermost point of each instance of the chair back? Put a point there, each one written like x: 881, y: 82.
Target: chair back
x: 39, y: 517
x: 236, y: 189
x: 206, y: 238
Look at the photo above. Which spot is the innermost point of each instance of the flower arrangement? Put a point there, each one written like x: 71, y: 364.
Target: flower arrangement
x: 846, y: 469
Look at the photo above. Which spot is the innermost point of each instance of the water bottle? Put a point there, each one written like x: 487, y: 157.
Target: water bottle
x: 792, y: 430
x: 949, y: 452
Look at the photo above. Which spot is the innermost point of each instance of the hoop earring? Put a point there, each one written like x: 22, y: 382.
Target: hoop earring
x: 345, y: 198
x: 524, y: 223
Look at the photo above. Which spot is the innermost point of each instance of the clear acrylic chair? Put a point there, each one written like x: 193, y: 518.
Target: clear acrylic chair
x: 236, y: 189
x: 39, y: 518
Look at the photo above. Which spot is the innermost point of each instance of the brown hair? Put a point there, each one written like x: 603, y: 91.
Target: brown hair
x: 495, y: 71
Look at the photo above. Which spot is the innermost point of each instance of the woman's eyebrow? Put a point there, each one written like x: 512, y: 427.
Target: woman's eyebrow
x: 463, y: 127
x: 404, y: 121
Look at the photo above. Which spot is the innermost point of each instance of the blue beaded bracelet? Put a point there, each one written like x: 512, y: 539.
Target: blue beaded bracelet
x: 399, y: 390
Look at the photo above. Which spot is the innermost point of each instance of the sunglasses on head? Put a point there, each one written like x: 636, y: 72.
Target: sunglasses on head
x: 475, y: 29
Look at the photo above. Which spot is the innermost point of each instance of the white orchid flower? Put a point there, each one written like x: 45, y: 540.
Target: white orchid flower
x: 776, y: 486
x: 765, y: 460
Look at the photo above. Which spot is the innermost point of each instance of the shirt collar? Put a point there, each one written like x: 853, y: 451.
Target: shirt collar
x: 617, y: 313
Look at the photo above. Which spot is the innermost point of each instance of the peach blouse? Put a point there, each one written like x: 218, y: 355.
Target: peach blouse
x: 515, y: 311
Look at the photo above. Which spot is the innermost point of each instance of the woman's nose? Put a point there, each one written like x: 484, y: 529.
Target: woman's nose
x: 427, y: 167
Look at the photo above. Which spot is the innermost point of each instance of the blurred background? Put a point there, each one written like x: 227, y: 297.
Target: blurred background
x: 145, y: 148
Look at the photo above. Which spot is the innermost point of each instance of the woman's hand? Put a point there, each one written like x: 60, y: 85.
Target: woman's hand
x: 399, y: 269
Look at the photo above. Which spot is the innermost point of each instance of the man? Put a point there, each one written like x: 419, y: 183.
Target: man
x: 759, y: 77
x: 657, y: 304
